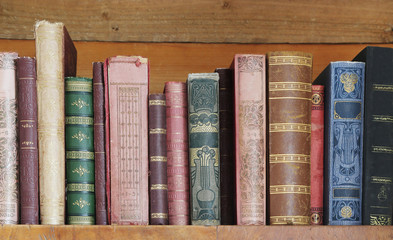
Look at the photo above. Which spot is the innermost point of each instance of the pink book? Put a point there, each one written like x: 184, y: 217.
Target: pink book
x: 107, y: 144
x: 128, y: 86
x: 250, y: 138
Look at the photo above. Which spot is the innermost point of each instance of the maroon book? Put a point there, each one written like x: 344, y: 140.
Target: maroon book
x: 28, y: 151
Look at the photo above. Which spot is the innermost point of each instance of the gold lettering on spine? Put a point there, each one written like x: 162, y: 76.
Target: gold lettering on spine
x: 290, y: 60
x: 382, y: 149
x: 157, y: 131
x: 383, y: 87
x: 159, y: 187
x: 157, y: 102
x: 289, y: 158
x: 289, y: 86
x: 158, y: 159
x: 80, y: 220
x: 285, y: 220
x: 283, y: 189
x: 159, y: 215
x: 79, y: 187
x: 290, y: 127
x: 382, y: 118
x: 79, y: 155
x: 76, y: 86
x: 80, y: 120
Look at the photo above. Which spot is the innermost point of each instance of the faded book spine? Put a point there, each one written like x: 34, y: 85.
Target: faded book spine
x: 9, y: 191
x: 250, y: 120
x: 289, y: 78
x: 99, y: 143
x: 204, y: 155
x: 158, y: 160
x: 79, y: 128
x: 28, y: 142
x: 177, y: 153
x: 316, y: 161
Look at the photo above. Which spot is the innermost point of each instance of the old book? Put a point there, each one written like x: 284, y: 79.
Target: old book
x: 158, y: 160
x: 316, y: 161
x: 28, y: 150
x: 128, y: 81
x: 79, y: 146
x: 204, y: 155
x: 9, y: 192
x: 56, y: 59
x: 344, y: 91
x: 107, y: 144
x: 227, y: 147
x: 289, y: 78
x: 377, y: 207
x: 99, y: 143
x: 177, y: 153
x: 250, y: 120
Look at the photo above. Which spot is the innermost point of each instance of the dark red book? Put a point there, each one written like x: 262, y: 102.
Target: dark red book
x: 107, y: 145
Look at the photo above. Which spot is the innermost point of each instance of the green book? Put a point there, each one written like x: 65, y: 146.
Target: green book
x: 204, y: 157
x: 79, y: 148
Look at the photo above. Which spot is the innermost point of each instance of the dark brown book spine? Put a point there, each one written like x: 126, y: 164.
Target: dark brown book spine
x: 227, y: 147
x: 158, y: 160
x: 28, y: 152
x: 99, y: 143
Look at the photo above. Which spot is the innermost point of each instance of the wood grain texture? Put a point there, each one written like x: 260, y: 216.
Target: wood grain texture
x: 220, y: 21
x: 173, y: 61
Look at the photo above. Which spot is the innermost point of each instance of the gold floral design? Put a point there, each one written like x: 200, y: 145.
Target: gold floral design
x: 80, y: 103
x: 81, y: 171
x: 80, y: 136
x: 81, y: 203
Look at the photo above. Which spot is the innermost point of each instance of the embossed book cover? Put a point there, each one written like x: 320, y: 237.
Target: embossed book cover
x: 344, y: 103
x: 128, y: 86
x: 204, y: 155
x: 250, y: 121
x: 378, y: 136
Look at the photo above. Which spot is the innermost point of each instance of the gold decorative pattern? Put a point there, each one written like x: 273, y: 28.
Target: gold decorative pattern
x: 346, y: 212
x: 80, y: 220
x: 79, y: 155
x: 157, y: 103
x: 81, y: 203
x: 80, y: 187
x: 80, y: 136
x: 382, y: 149
x: 158, y: 159
x: 381, y: 180
x: 380, y: 219
x: 159, y: 187
x: 349, y: 80
x: 157, y: 131
x: 383, y: 87
x: 291, y: 220
x: 80, y: 103
x: 159, y: 215
x: 77, y: 86
x: 290, y: 60
x: 290, y: 127
x: 382, y: 118
x: 79, y: 120
x: 289, y: 86
x: 80, y: 170
x: 283, y: 189
x: 289, y: 158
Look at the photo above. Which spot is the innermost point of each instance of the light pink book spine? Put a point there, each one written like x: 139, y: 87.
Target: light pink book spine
x: 177, y: 153
x: 250, y: 122
x: 107, y: 143
x: 128, y: 81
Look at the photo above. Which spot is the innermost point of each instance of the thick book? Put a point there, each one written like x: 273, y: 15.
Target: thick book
x: 99, y: 143
x: 9, y: 180
x: 177, y: 153
x: 56, y: 59
x: 377, y: 207
x: 79, y: 146
x: 28, y: 140
x: 227, y: 146
x: 289, y: 85
x: 250, y: 121
x: 128, y: 87
x: 204, y: 143
x: 158, y: 160
x: 343, y: 161
x: 316, y: 161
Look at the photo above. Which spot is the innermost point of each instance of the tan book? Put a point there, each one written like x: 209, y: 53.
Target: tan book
x: 56, y: 59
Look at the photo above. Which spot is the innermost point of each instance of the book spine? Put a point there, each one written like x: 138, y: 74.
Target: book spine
x: 344, y: 143
x: 9, y: 191
x: 79, y: 129
x: 177, y: 153
x: 99, y: 143
x: 250, y: 120
x: 316, y: 161
x: 289, y: 77
x: 227, y: 147
x: 128, y: 79
x: 107, y: 143
x: 28, y: 150
x: 158, y: 160
x: 204, y: 156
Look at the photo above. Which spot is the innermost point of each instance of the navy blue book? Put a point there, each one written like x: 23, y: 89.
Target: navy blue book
x: 344, y: 103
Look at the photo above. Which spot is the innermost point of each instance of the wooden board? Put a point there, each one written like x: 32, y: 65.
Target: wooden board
x: 173, y: 61
x: 217, y: 21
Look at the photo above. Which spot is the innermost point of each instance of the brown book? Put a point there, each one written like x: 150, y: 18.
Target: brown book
x: 99, y: 143
x: 158, y: 160
x: 28, y: 150
x: 289, y: 78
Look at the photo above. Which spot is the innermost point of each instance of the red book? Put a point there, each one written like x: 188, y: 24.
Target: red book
x: 317, y: 124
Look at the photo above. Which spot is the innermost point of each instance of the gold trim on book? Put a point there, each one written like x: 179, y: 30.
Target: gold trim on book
x: 79, y: 155
x: 285, y: 220
x: 290, y: 127
x: 79, y: 120
x: 383, y: 87
x: 26, y: 78
x: 290, y: 60
x: 157, y: 103
x: 284, y: 189
x: 76, y: 86
x: 159, y: 187
x: 159, y: 215
x: 80, y: 187
x: 382, y: 149
x: 81, y: 220
x: 289, y: 86
x: 158, y: 159
x: 381, y: 180
x: 382, y: 118
x: 297, y: 98
x: 289, y: 158
x: 28, y: 148
x: 157, y: 131
x: 28, y: 121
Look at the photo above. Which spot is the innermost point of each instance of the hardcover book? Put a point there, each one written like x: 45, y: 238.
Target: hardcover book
x: 344, y: 102
x: 28, y: 150
x: 9, y: 174
x: 56, y: 59
x: 128, y: 86
x: 377, y: 207
x: 177, y: 153
x: 289, y: 78
x: 250, y: 120
x: 204, y: 155
x: 317, y: 124
x: 79, y: 128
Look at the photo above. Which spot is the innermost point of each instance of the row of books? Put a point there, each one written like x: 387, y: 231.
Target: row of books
x: 253, y: 144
